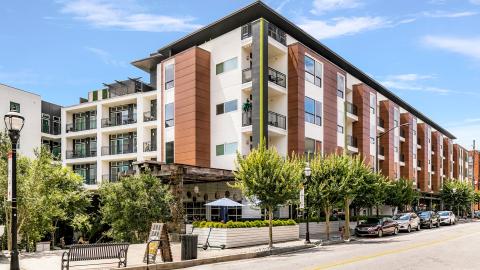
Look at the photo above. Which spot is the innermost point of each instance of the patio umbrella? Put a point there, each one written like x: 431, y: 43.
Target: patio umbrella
x: 224, y: 203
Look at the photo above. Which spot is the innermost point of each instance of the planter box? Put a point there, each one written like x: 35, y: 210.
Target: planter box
x: 241, y: 237
x: 42, y: 246
x: 319, y: 227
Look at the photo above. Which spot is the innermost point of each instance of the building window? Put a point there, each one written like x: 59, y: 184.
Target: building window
x: 169, y: 114
x: 226, y: 149
x: 227, y: 107
x: 310, y: 147
x: 45, y: 123
x: 14, y: 107
x: 313, y: 71
x: 340, y: 121
x: 340, y: 85
x: 169, y: 152
x: 313, y: 111
x: 56, y: 125
x: 169, y: 76
x: 228, y: 65
x: 340, y: 129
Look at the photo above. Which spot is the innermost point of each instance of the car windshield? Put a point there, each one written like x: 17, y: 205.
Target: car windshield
x: 424, y: 214
x: 443, y: 213
x: 372, y: 221
x: 401, y: 217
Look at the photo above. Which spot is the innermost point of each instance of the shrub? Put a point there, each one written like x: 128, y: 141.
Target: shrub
x: 242, y: 224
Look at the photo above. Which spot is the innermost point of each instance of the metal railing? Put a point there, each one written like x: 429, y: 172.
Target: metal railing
x: 246, y: 75
x: 273, y: 31
x: 352, y: 141
x: 90, y: 180
x: 149, y: 147
x: 277, y: 120
x: 274, y: 76
x: 149, y: 116
x: 351, y: 108
x: 92, y: 124
x: 114, y: 150
x: 113, y: 122
x: 116, y: 176
x: 80, y: 154
x: 246, y: 118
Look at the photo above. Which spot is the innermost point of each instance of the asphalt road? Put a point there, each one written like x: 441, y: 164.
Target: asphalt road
x: 449, y: 247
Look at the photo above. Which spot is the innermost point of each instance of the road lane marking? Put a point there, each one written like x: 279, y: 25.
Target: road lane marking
x: 389, y: 252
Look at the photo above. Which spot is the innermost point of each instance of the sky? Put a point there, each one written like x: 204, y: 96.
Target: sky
x: 427, y: 52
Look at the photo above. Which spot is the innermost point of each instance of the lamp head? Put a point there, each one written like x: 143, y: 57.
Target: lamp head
x: 14, y: 124
x: 308, y: 171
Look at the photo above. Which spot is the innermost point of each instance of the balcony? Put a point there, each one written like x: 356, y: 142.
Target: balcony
x: 119, y: 121
x: 90, y: 180
x: 274, y: 76
x: 81, y: 154
x: 381, y: 153
x: 55, y: 130
x: 273, y: 32
x: 402, y: 135
x: 149, y: 116
x: 402, y: 160
x: 81, y: 126
x: 119, y: 150
x: 419, y: 144
x: 352, y: 144
x: 419, y: 165
x: 274, y: 119
x: 115, y: 177
x: 381, y: 125
x: 149, y: 147
x: 352, y: 111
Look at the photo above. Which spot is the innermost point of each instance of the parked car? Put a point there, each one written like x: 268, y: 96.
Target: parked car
x: 429, y: 219
x: 477, y: 214
x: 407, y: 221
x: 447, y: 218
x: 377, y: 227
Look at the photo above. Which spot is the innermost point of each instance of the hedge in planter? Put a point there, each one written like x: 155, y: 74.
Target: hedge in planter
x: 242, y: 224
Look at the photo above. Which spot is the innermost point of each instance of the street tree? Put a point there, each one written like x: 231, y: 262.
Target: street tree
x: 457, y: 195
x: 400, y: 194
x: 372, y: 193
x: 268, y: 179
x: 131, y: 205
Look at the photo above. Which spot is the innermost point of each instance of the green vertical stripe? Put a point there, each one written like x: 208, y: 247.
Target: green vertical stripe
x: 261, y: 82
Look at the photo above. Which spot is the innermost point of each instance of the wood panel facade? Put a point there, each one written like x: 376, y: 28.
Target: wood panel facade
x: 361, y: 128
x: 406, y: 148
x: 296, y: 99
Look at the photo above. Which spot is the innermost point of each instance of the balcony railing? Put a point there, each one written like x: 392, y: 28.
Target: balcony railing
x: 81, y: 154
x: 55, y: 130
x: 115, y: 177
x: 92, y: 124
x: 246, y: 75
x: 114, y: 150
x: 352, y: 141
x: 149, y: 147
x: 352, y: 108
x: 120, y: 121
x: 90, y: 180
x: 273, y: 31
x: 149, y: 116
x: 277, y: 120
x: 274, y: 119
x: 277, y: 77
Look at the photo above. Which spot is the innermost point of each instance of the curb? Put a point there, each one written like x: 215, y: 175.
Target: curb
x: 228, y: 258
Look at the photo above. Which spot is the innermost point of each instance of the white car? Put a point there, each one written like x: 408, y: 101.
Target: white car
x: 407, y: 221
x: 447, y: 218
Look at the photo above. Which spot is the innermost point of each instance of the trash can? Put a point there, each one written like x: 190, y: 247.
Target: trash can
x: 189, y: 246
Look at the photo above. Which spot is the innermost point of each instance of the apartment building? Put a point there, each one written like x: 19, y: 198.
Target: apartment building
x: 42, y: 120
x: 460, y: 163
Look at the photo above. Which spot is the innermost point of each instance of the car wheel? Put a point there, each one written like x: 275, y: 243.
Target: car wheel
x: 380, y: 234
x: 430, y: 225
x: 395, y: 232
x: 419, y: 227
x: 409, y: 229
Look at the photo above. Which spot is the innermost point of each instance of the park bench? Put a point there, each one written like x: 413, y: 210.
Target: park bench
x: 90, y: 252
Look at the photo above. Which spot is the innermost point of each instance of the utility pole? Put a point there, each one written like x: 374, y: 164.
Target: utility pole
x: 473, y: 179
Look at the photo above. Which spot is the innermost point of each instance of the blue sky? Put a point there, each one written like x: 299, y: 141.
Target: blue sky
x: 427, y: 52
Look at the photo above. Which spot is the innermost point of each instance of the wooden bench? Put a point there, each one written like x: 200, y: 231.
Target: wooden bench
x: 90, y: 252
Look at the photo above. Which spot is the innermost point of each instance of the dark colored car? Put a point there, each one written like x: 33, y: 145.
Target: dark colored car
x: 377, y: 227
x: 429, y: 219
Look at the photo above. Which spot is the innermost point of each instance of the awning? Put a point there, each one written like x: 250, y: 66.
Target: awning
x: 224, y: 202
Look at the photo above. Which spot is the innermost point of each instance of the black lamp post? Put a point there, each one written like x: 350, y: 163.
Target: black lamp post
x: 14, y: 124
x: 308, y: 172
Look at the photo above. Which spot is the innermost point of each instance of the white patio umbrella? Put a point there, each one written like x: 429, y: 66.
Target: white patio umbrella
x: 224, y: 203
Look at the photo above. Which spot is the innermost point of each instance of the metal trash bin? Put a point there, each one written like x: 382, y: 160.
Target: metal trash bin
x: 189, y: 246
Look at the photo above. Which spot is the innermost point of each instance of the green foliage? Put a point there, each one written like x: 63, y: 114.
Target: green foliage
x: 401, y: 193
x: 476, y: 197
x: 457, y: 195
x: 130, y: 206
x: 373, y: 192
x: 242, y: 224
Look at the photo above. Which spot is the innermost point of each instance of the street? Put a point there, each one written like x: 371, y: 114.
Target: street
x: 449, y: 247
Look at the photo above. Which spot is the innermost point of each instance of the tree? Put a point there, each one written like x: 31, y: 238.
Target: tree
x: 457, y: 195
x: 131, y: 205
x: 265, y: 177
x: 401, y: 193
x: 372, y: 193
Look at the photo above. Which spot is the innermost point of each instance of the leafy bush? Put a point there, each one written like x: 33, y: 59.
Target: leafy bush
x: 242, y: 224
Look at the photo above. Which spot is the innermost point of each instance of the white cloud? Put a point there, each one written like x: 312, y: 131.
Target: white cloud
x: 475, y: 2
x: 466, y: 131
x: 126, y: 15
x: 282, y: 5
x: 413, y: 82
x: 322, y: 6
x: 106, y: 57
x: 465, y: 46
x: 342, y: 26
x: 445, y: 14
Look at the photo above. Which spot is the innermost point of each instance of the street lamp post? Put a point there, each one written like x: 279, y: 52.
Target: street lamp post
x: 14, y: 124
x: 308, y: 173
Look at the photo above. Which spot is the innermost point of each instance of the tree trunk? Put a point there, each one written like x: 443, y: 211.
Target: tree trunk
x: 346, y: 226
x: 270, y: 227
x: 53, y: 233
x: 327, y: 222
x: 377, y: 210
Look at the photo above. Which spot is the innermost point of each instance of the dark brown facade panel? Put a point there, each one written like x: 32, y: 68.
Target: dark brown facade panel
x: 406, y: 147
x: 387, y: 141
x: 422, y: 155
x: 296, y: 99
x: 361, y: 128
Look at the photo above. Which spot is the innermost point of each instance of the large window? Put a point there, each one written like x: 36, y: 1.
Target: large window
x: 45, y: 123
x: 228, y: 65
x: 313, y: 111
x: 340, y: 121
x: 340, y: 85
x: 169, y: 114
x: 169, y: 76
x: 310, y: 147
x: 226, y: 149
x: 226, y: 107
x: 14, y: 107
x: 169, y: 152
x: 313, y: 71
